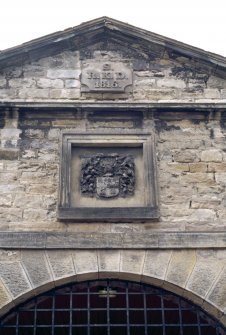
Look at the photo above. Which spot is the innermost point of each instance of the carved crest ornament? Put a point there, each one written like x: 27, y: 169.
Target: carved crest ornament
x: 107, y: 176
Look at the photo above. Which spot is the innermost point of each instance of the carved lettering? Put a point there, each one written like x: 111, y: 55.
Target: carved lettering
x: 113, y: 77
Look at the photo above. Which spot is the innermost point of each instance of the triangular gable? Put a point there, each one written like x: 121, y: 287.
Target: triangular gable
x: 105, y: 32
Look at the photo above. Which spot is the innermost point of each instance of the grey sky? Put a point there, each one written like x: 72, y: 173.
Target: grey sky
x: 201, y: 23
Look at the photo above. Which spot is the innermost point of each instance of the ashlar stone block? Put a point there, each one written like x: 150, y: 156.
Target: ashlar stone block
x: 5, y: 297
x: 205, y: 272
x: 108, y: 263
x: 217, y: 295
x: 85, y: 264
x: 61, y: 263
x: 15, y: 278
x: 131, y: 263
x: 211, y: 155
x: 180, y: 267
x: 155, y: 266
x: 37, y: 268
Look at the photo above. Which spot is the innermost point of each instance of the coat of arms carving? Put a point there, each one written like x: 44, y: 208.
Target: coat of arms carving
x: 107, y: 176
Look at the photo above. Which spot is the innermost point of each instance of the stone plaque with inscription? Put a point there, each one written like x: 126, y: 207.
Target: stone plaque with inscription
x: 106, y: 77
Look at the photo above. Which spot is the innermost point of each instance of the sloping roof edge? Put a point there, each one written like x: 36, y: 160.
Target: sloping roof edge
x: 112, y: 24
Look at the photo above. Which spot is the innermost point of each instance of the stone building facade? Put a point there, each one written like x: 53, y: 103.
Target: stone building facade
x: 111, y: 91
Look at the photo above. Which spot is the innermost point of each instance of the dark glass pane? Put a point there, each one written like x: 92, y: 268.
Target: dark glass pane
x: 97, y: 317
x: 137, y: 331
x: 153, y: 301
x: 194, y: 330
x: 97, y: 301
x: 136, y: 317
x: 26, y: 318
x: 62, y: 301
x: 173, y: 330
x: 118, y: 317
x: 188, y: 317
x: 154, y: 317
x: 118, y: 302
x: 44, y: 331
x: 118, y: 330
x: 44, y: 318
x: 62, y: 318
x: 7, y: 331
x: 61, y: 331
x: 170, y: 301
x: 172, y: 317
x: 79, y: 301
x: 79, y: 317
x: 79, y: 331
x: 155, y: 331
x: 208, y: 330
x: 26, y: 331
x: 98, y: 330
x: 45, y: 303
x: 136, y: 301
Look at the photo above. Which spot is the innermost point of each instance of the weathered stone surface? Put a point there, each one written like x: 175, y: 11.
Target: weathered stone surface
x: 5, y: 297
x: 35, y: 214
x: 65, y: 94
x: 9, y: 153
x: 49, y: 83
x: 72, y: 83
x: 180, y: 267
x: 37, y: 268
x: 205, y: 202
x: 211, y: 93
x: 216, y: 167
x: 5, y: 200
x: 132, y: 262
x: 198, y: 177
x: 211, y: 155
x: 203, y: 215
x: 68, y: 73
x: 217, y: 295
x: 198, y: 167
x: 86, y: 264
x: 155, y: 266
x: 108, y: 262
x: 33, y: 93
x: 28, y: 201
x: 221, y: 178
x: 15, y: 278
x: 207, y: 268
x: 174, y: 83
x: 61, y: 264
x: 20, y: 82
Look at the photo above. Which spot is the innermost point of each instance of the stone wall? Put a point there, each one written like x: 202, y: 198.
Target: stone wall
x: 191, y: 172
x: 57, y: 78
x: 191, y: 168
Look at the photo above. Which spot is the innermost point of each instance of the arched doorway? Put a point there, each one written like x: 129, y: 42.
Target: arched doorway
x: 109, y: 307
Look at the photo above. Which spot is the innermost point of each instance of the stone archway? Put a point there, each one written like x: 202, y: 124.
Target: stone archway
x: 188, y: 273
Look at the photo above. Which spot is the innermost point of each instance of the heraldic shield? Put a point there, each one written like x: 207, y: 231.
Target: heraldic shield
x: 107, y: 176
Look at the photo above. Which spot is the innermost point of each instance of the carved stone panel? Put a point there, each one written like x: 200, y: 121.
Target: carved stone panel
x: 105, y: 77
x: 107, y: 177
